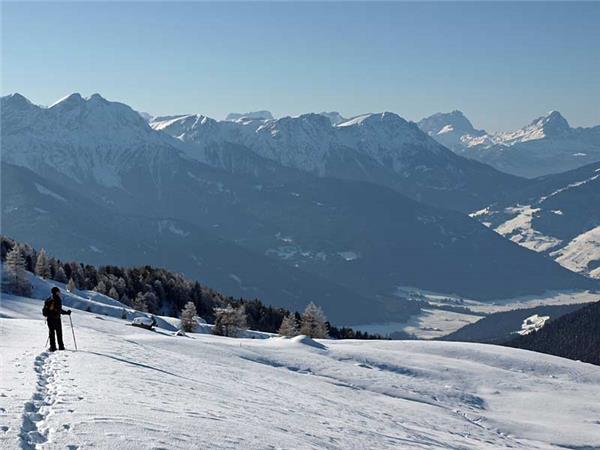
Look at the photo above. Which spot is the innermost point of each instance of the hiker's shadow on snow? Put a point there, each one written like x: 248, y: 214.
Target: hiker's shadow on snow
x: 137, y: 364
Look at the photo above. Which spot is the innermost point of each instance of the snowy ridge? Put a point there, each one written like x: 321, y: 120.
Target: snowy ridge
x: 570, y: 186
x: 551, y: 124
x: 208, y: 391
x: 547, y: 145
x: 307, y: 141
x: 85, y: 139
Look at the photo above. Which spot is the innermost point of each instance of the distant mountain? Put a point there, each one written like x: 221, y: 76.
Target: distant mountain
x: 501, y: 327
x: 334, y: 117
x: 557, y: 215
x: 574, y: 336
x: 146, y: 116
x: 89, y: 179
x: 72, y: 226
x: 380, y: 148
x: 87, y: 140
x: 547, y: 145
x: 449, y: 129
x: 259, y: 115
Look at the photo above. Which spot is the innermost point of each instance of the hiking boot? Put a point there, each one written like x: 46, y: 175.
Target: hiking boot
x: 51, y: 349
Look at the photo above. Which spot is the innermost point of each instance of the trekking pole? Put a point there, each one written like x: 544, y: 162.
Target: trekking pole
x: 73, y: 331
x: 47, y: 338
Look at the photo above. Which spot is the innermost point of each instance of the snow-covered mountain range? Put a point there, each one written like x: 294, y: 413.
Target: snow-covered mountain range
x: 559, y: 215
x: 247, y: 207
x: 382, y: 148
x: 547, y: 145
x: 89, y: 140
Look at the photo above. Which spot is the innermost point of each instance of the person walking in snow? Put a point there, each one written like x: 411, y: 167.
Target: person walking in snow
x: 52, y: 311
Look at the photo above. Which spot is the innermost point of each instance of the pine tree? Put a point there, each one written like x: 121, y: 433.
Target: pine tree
x: 53, y: 268
x: 289, y: 326
x: 78, y: 275
x: 139, y: 303
x: 60, y: 275
x: 230, y: 321
x: 16, y: 276
x: 314, y: 322
x: 100, y: 287
x: 71, y: 285
x: 42, y: 268
x: 151, y: 300
x: 188, y: 317
x: 113, y: 293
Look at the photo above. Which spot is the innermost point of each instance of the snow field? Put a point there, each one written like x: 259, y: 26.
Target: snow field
x: 135, y: 389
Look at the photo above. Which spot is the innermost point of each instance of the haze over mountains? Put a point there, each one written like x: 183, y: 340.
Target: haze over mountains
x: 289, y: 210
x: 547, y: 145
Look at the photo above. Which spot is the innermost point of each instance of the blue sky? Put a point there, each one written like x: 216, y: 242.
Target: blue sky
x: 501, y: 63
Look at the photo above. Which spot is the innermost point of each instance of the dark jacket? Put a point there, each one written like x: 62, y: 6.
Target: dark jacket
x: 53, y: 308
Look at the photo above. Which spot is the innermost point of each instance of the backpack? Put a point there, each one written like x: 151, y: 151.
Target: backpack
x: 46, y: 308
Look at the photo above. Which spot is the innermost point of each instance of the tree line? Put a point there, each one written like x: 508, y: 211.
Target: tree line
x: 160, y: 291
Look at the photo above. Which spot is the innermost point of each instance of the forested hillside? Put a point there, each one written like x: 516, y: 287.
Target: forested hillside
x: 156, y: 290
x: 574, y: 336
x: 500, y: 327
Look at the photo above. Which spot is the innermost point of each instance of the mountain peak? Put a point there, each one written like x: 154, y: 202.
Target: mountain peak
x: 552, y: 123
x: 442, y: 123
x: 16, y: 100
x: 371, y: 118
x: 260, y: 115
x: 96, y: 98
x: 554, y: 120
x: 68, y: 101
x: 334, y: 117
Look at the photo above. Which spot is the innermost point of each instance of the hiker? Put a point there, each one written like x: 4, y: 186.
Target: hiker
x: 52, y: 311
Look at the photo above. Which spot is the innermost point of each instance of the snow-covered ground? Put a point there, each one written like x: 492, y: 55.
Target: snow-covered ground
x: 582, y: 250
x: 532, y: 323
x: 429, y: 324
x: 129, y: 388
x: 433, y: 323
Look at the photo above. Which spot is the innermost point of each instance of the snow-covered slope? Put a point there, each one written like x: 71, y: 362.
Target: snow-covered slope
x: 547, y: 145
x: 557, y: 215
x: 130, y: 388
x: 582, y: 254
